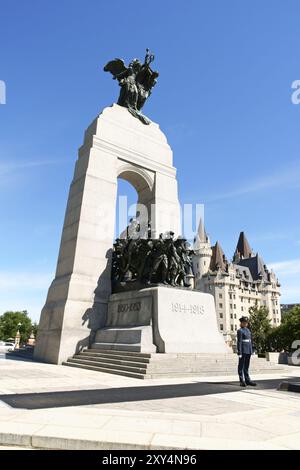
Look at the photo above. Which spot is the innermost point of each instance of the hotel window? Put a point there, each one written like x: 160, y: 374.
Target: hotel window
x: 230, y: 305
x: 235, y: 315
x: 242, y: 299
x: 220, y: 296
x: 221, y: 315
x: 230, y: 296
x: 221, y: 326
x: 242, y: 309
x: 234, y: 306
x: 235, y: 327
x: 231, y: 316
x: 231, y: 327
x: 220, y: 305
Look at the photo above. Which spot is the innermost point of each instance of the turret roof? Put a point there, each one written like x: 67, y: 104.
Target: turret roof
x: 243, y: 249
x: 218, y: 259
x: 201, y: 236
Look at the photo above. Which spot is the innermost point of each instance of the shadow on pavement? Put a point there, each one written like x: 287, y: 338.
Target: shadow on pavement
x: 23, y: 354
x: 33, y: 401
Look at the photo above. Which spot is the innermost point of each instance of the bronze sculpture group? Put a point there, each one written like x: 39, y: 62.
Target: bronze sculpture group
x: 138, y: 260
x: 136, y: 82
x: 145, y: 261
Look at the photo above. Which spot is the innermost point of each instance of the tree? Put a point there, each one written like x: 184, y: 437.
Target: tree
x: 260, y: 327
x: 9, y: 322
x: 282, y: 337
x: 275, y: 340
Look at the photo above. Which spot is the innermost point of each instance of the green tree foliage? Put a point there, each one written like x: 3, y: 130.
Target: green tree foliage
x: 9, y: 325
x: 260, y: 327
x: 282, y: 337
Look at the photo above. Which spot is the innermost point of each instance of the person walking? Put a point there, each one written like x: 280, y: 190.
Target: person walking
x: 244, y: 350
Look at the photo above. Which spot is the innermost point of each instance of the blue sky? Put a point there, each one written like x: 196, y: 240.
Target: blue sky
x: 223, y: 99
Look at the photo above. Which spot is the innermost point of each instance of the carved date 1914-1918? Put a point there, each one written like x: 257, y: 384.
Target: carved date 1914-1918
x: 190, y: 308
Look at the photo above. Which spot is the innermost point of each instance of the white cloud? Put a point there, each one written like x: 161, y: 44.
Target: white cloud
x: 290, y: 294
x: 13, y: 167
x: 288, y: 273
x: 289, y: 176
x: 286, y: 267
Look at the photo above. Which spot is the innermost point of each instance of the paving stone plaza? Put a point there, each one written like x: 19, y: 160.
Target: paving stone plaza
x: 45, y: 406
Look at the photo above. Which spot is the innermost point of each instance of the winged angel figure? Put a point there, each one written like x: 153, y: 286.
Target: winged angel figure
x: 136, y: 82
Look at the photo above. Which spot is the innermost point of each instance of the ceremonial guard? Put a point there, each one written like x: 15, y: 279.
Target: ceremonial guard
x: 244, y: 350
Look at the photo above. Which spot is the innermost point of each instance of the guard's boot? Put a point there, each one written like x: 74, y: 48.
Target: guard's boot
x: 242, y: 384
x: 252, y: 384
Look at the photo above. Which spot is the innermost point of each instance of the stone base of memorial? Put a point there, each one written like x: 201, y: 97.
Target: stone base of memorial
x: 161, y: 319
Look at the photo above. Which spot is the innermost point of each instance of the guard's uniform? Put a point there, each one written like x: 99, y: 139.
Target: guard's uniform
x: 244, y: 349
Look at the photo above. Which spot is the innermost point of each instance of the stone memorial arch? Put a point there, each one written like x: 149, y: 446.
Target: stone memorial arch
x: 116, y: 144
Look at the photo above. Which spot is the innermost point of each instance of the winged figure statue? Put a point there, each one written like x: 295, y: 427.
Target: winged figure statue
x: 136, y: 82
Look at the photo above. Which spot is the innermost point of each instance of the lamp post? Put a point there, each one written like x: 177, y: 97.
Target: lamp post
x: 18, y: 336
x: 31, y: 340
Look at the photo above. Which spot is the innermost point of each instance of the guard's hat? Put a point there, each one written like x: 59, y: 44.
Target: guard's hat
x: 243, y: 319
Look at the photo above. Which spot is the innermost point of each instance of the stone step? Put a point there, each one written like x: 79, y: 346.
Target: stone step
x: 224, y: 369
x: 208, y: 373
x: 207, y: 362
x: 179, y: 361
x: 164, y: 356
x: 123, y: 353
x: 171, y: 374
x: 134, y: 347
x: 162, y: 367
x: 108, y: 365
x: 195, y: 365
x: 106, y: 370
x: 106, y: 360
x: 149, y: 365
x: 113, y: 355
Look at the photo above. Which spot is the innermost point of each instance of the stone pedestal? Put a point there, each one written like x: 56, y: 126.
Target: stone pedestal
x: 115, y: 145
x: 161, y: 319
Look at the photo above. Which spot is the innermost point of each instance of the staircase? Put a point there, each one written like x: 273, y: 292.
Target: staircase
x: 153, y: 366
